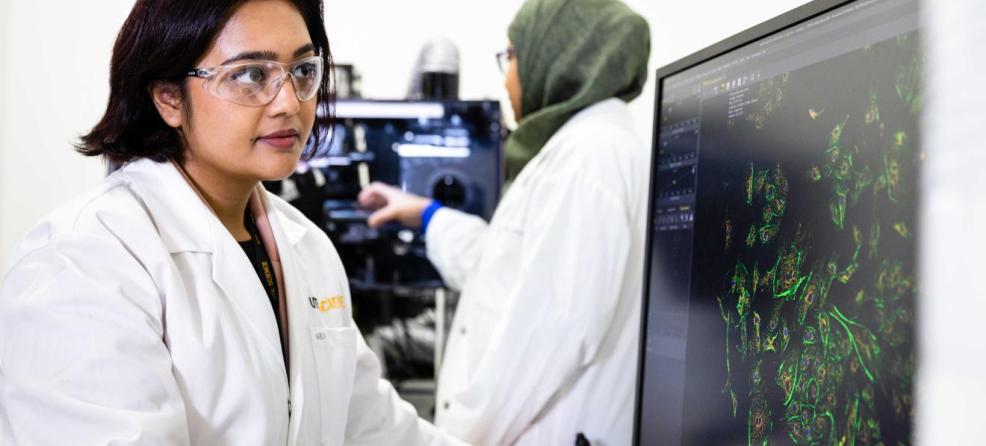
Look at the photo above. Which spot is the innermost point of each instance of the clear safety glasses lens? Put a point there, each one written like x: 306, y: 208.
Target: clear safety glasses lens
x: 256, y: 83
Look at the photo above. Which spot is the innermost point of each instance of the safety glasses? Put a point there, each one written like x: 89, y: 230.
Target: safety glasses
x: 503, y: 59
x: 255, y: 83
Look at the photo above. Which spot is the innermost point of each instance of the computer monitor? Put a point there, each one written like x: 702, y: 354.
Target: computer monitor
x: 779, y: 302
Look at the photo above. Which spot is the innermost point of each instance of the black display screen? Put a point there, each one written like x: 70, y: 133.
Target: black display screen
x: 781, y: 297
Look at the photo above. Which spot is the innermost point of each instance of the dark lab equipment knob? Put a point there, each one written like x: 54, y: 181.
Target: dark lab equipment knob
x: 450, y: 191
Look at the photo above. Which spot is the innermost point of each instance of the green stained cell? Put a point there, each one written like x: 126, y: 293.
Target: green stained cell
x: 874, y: 241
x: 880, y: 183
x: 756, y: 377
x: 756, y: 332
x: 780, y: 180
x: 787, y: 270
x: 908, y: 80
x: 844, y: 166
x: 767, y: 215
x: 727, y: 317
x: 722, y: 312
x: 891, y: 172
x: 837, y: 209
x: 744, y: 339
x: 860, y: 297
x: 836, y: 136
x: 824, y: 331
x: 814, y: 174
x: 867, y: 395
x: 902, y: 230
x: 759, y: 424
x: 743, y: 305
x: 846, y: 274
x: 852, y: 421
x: 785, y: 336
x: 755, y: 282
x: 740, y: 280
x: 862, y: 342
x: 900, y: 139
x: 774, y: 322
x: 767, y: 233
x: 750, y: 179
x: 769, y: 344
x: 828, y: 427
x: 833, y: 153
x: 767, y: 188
x: 787, y: 379
x: 917, y: 104
x: 735, y: 401
x: 810, y: 337
x: 770, y: 192
x: 891, y: 280
x: 809, y: 297
x: 873, y: 110
x: 862, y: 179
x: 761, y: 177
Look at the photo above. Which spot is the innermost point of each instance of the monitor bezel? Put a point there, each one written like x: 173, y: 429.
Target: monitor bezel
x: 772, y: 26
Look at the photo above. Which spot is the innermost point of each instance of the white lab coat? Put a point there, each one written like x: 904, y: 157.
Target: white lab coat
x: 132, y: 316
x: 544, y: 341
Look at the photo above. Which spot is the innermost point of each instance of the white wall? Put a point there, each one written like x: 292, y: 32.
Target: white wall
x: 4, y: 7
x: 55, y: 55
x: 952, y: 382
x: 384, y: 46
x: 54, y: 85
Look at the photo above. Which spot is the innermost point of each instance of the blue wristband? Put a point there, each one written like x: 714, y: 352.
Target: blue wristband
x: 428, y: 213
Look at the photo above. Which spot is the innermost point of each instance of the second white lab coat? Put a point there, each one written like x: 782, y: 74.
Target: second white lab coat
x: 132, y: 317
x: 544, y: 341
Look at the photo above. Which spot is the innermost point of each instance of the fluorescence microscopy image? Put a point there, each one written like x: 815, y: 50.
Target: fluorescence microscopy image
x: 805, y: 243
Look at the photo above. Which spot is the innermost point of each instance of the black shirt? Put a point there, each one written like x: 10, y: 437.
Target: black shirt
x: 255, y: 252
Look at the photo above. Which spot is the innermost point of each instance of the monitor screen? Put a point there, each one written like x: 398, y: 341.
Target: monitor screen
x: 780, y: 297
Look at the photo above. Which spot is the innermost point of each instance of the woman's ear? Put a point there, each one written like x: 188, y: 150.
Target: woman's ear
x: 167, y: 99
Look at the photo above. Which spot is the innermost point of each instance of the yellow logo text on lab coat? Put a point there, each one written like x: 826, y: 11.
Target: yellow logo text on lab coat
x: 331, y: 303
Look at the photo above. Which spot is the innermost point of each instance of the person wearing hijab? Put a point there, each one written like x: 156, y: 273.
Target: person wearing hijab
x: 544, y: 342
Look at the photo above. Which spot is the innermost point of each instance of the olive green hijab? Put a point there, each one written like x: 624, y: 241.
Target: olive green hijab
x: 570, y: 55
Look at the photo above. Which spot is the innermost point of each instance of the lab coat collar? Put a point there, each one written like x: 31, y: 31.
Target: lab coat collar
x: 614, y: 110
x: 183, y: 217
x: 186, y: 223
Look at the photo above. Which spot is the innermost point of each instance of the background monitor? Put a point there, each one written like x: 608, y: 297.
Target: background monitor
x: 780, y: 296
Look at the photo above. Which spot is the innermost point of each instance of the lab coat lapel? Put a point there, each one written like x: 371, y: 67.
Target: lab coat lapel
x: 294, y: 272
x: 233, y: 273
x: 187, y: 224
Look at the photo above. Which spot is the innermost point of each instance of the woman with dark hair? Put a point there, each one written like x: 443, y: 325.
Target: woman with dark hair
x: 179, y: 302
x: 544, y: 342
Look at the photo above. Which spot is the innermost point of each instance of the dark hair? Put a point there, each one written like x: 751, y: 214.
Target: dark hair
x: 159, y: 42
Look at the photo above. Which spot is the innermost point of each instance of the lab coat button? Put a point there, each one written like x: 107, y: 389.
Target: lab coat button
x: 445, y: 405
x: 462, y: 331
